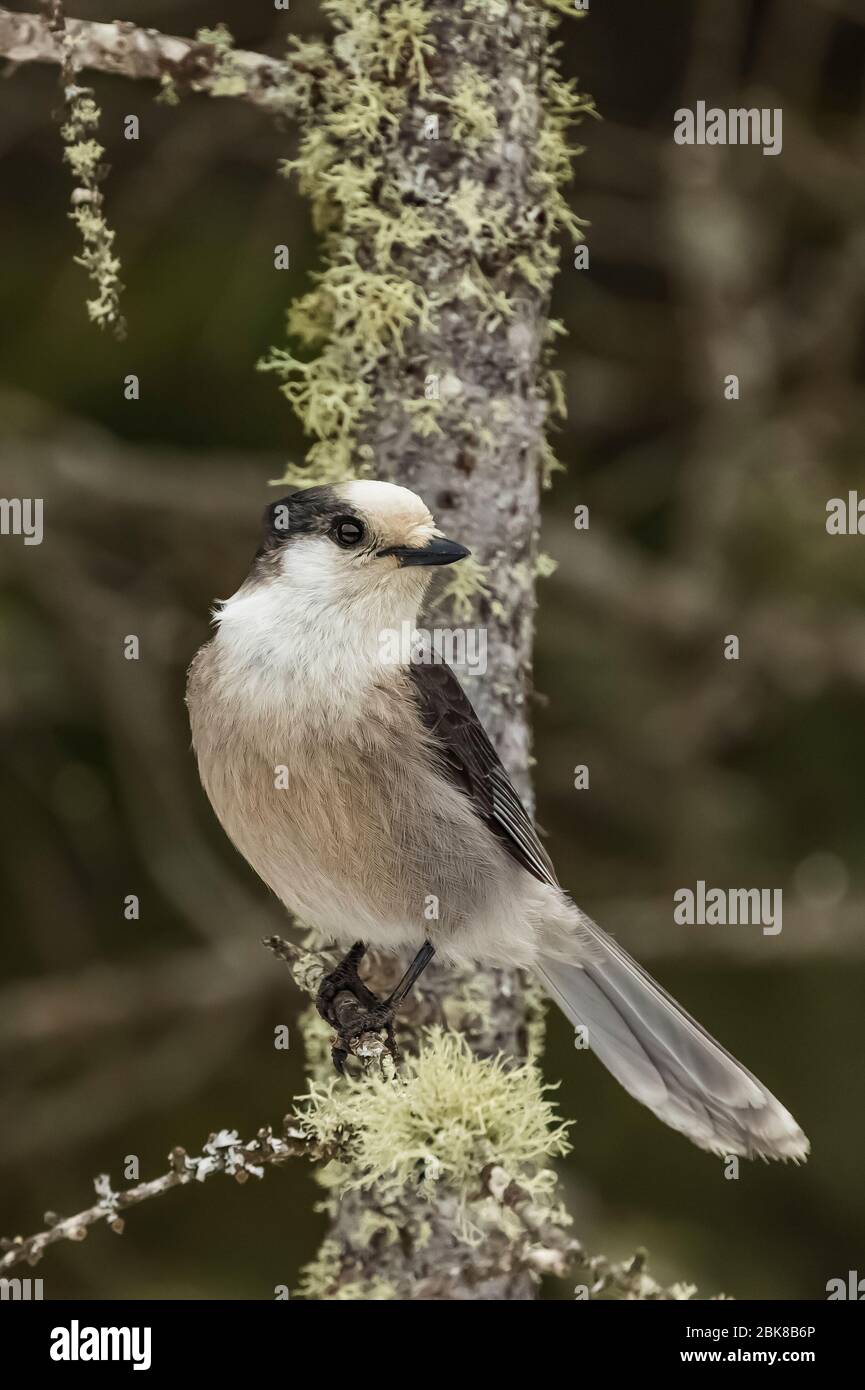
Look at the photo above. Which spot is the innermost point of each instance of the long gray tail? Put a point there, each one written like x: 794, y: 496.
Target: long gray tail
x: 663, y: 1057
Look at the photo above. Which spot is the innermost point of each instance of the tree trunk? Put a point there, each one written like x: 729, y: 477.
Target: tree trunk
x: 484, y: 195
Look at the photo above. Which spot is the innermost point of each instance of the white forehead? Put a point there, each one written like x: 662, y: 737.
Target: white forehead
x: 397, y: 507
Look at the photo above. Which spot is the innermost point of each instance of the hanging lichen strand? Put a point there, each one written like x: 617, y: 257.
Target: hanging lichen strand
x: 436, y: 179
x: 84, y: 155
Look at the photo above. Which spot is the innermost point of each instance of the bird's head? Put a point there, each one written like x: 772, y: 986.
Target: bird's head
x: 354, y: 540
x: 337, y: 567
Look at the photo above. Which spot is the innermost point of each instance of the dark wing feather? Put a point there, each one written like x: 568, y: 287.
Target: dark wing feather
x: 470, y: 762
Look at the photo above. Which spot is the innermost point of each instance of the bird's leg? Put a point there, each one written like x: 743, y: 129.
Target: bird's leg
x: 412, y: 975
x: 351, y: 1008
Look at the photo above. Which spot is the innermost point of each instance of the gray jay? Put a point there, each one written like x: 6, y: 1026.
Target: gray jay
x: 361, y: 789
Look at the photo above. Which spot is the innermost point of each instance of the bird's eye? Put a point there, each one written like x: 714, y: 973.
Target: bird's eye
x: 347, y: 531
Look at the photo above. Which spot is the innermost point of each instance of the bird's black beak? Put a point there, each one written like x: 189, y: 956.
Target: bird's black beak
x: 436, y: 552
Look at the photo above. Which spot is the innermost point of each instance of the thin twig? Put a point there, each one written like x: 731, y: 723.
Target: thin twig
x: 224, y: 1152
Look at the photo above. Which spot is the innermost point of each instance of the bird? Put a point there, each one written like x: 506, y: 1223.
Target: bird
x: 362, y: 787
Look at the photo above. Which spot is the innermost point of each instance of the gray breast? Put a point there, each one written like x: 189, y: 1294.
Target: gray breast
x: 351, y: 827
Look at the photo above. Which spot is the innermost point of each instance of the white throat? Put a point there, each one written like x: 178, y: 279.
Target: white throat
x: 309, y: 644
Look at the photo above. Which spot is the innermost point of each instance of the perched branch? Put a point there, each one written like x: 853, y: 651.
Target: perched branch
x: 125, y: 50
x: 223, y: 1153
x: 307, y: 969
x: 551, y: 1250
x: 58, y: 1009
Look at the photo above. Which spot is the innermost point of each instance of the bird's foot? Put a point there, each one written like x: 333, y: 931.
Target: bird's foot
x: 354, y: 1012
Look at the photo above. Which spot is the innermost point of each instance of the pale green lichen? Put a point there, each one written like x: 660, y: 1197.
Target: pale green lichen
x: 322, y: 1272
x: 460, y: 594
x: 560, y: 8
x: 424, y: 414
x: 367, y: 297
x: 439, y: 1126
x: 405, y: 39
x: 317, y: 1040
x: 168, y: 94
x: 630, y: 1281
x: 361, y: 305
x: 376, y: 1226
x: 550, y: 464
x: 228, y: 79
x: 320, y: 1280
x: 84, y: 155
x: 473, y: 115
x: 470, y: 1012
x: 224, y: 72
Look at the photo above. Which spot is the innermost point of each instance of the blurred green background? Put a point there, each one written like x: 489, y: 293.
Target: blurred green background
x: 707, y: 518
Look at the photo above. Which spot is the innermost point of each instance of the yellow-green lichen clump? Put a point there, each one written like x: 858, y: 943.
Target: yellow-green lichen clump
x: 437, y: 1128
x: 395, y: 156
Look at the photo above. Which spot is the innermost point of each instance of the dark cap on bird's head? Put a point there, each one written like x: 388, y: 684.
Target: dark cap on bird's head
x: 361, y: 520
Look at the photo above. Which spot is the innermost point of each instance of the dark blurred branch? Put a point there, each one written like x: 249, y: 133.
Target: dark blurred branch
x: 123, y: 49
x: 175, y: 1064
x: 844, y: 9
x: 787, y: 644
x: 67, y: 1004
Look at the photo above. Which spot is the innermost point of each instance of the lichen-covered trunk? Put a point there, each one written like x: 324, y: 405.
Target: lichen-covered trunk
x: 440, y: 220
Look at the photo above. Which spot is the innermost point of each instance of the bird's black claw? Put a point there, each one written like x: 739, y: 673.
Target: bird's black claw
x: 351, y: 1009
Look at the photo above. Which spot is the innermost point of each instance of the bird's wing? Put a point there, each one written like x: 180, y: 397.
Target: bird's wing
x: 471, y: 764
x: 650, y: 1044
